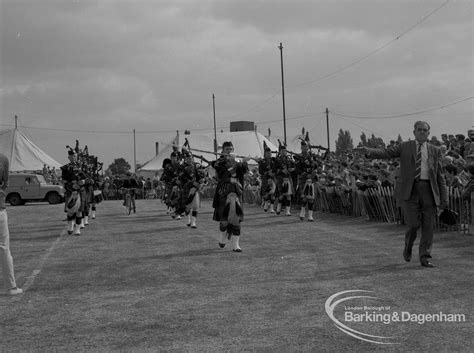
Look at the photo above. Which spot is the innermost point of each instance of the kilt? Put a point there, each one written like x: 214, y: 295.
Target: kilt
x: 220, y: 199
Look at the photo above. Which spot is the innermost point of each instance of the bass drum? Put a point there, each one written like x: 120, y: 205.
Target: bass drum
x: 98, y: 196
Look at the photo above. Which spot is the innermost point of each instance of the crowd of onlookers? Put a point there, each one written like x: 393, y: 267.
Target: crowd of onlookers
x: 344, y: 171
x: 149, y: 187
x: 51, y: 175
x: 352, y: 170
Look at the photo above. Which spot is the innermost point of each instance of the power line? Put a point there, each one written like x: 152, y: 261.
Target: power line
x: 401, y: 115
x: 152, y: 132
x: 360, y: 126
x: 349, y: 65
x: 258, y: 122
x: 275, y: 94
x: 253, y: 108
x: 372, y: 52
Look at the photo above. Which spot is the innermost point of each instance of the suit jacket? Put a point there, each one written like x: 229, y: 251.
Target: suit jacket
x: 406, y: 151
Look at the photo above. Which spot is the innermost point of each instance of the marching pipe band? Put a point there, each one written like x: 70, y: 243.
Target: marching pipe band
x: 81, y: 180
x: 285, y: 178
x: 183, y: 179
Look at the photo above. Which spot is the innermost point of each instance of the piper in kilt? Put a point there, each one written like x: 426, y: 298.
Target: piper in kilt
x: 306, y: 168
x: 176, y: 199
x: 72, y: 186
x: 191, y: 179
x: 79, y: 177
x: 227, y: 202
x: 268, y: 187
x: 283, y: 169
x: 167, y: 178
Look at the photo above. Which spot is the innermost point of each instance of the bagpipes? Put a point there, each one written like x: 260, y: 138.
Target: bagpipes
x: 85, y: 166
x: 217, y: 154
x: 190, y: 151
x: 320, y: 148
x: 193, y: 198
x: 82, y: 159
x: 306, y: 142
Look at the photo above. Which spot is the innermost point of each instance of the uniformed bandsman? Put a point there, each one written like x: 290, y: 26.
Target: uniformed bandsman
x: 306, y: 169
x: 227, y: 202
x: 284, y: 168
x: 268, y: 186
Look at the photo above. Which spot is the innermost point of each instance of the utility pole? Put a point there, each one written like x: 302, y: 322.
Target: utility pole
x: 134, y: 153
x: 215, y: 134
x: 327, y: 125
x: 283, y: 91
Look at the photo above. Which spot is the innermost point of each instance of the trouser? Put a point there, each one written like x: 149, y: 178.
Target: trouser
x: 6, y: 259
x: 420, y: 211
x: 132, y: 199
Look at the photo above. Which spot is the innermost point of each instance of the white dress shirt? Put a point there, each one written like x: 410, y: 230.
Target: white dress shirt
x: 424, y: 161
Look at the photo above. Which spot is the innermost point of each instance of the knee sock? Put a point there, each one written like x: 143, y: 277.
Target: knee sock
x: 235, y: 242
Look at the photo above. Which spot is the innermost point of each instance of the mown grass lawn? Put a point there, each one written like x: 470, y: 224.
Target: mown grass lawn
x: 145, y: 282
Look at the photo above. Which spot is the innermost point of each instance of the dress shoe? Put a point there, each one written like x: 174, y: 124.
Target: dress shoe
x: 15, y: 291
x: 407, y: 253
x: 426, y: 263
x: 221, y: 245
x: 237, y: 250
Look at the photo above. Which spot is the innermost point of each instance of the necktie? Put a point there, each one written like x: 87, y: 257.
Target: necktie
x: 418, y: 162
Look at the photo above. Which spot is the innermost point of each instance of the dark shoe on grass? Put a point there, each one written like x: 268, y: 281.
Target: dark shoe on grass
x: 407, y: 253
x: 426, y: 263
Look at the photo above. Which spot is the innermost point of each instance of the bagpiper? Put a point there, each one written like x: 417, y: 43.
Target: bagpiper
x: 283, y: 168
x: 227, y: 202
x: 268, y: 186
x: 166, y: 178
x: 72, y: 185
x: 306, y: 168
x: 80, y: 179
x: 173, y: 190
x: 191, y: 178
x: 90, y: 168
x: 176, y: 195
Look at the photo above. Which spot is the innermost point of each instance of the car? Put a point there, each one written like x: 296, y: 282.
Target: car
x: 24, y: 187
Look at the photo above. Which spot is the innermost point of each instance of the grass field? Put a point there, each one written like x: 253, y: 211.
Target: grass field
x: 145, y: 282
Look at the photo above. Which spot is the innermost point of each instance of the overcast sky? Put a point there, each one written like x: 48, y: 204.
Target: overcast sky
x: 103, y: 68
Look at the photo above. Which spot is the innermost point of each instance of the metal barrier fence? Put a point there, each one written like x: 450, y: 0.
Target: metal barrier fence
x: 376, y: 204
x: 379, y: 204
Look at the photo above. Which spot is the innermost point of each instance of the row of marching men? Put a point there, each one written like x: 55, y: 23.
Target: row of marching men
x: 289, y: 177
x: 183, y: 177
x: 81, y: 183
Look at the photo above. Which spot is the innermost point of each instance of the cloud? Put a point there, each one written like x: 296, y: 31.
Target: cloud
x: 154, y: 65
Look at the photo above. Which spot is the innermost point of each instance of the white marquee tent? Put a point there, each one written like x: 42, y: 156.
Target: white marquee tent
x: 246, y: 144
x: 22, y: 153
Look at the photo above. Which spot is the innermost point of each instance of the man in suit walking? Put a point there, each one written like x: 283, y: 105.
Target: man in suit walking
x: 420, y: 187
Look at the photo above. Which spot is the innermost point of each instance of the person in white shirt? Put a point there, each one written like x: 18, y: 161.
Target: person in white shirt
x: 6, y: 259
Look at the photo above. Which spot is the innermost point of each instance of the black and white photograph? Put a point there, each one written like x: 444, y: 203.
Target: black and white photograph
x: 236, y: 175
